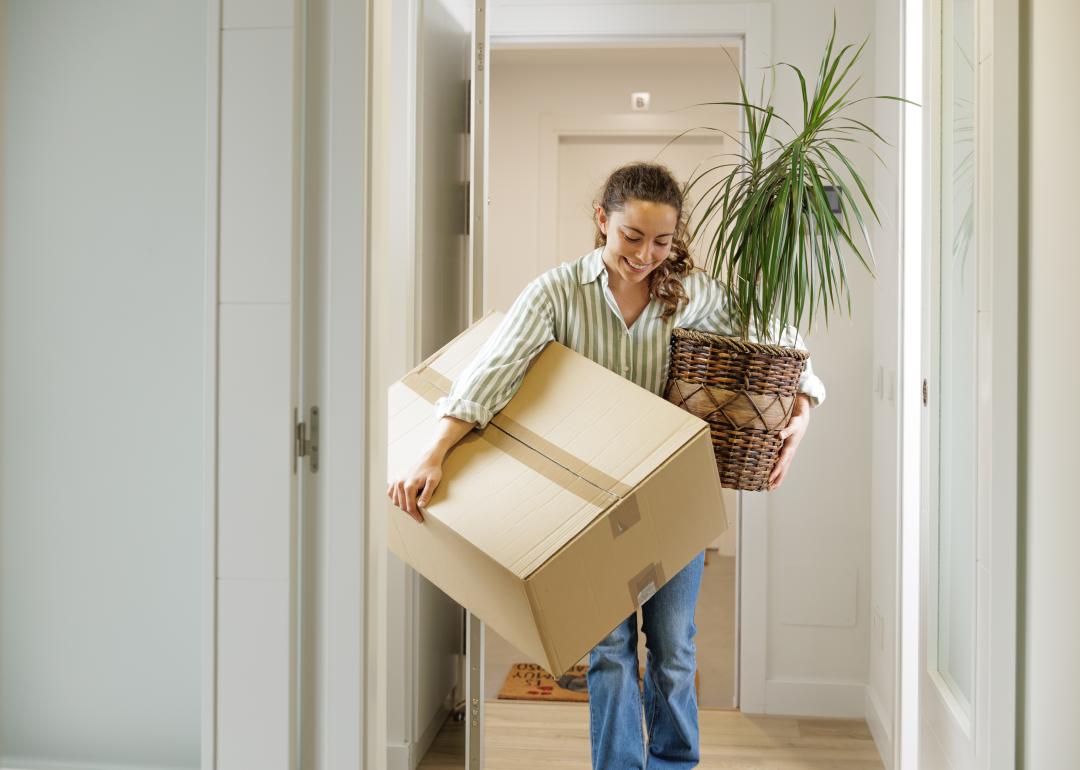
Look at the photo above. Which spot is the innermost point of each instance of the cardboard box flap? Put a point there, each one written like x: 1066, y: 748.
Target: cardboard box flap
x: 512, y: 502
x: 583, y: 417
x: 450, y: 360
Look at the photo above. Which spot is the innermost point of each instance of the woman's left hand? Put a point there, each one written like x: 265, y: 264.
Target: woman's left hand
x: 791, y: 436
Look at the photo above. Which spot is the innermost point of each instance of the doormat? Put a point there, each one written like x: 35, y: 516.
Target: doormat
x: 530, y: 681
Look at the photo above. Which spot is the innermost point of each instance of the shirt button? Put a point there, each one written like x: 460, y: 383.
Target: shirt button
x: 626, y: 369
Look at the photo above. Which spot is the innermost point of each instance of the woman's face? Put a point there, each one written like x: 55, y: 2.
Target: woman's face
x: 638, y: 238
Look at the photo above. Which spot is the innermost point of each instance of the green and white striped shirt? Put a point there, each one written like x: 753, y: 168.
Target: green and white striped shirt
x: 573, y: 305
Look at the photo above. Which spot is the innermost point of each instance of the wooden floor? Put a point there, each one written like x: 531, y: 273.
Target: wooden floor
x: 544, y: 736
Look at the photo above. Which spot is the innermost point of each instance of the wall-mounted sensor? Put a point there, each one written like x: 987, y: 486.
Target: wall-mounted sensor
x: 639, y: 101
x: 832, y: 197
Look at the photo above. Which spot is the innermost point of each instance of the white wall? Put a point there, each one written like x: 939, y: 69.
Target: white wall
x: 102, y: 216
x: 820, y: 516
x: 1049, y: 422
x: 527, y: 84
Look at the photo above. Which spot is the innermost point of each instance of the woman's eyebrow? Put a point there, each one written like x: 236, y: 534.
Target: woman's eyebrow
x: 631, y: 227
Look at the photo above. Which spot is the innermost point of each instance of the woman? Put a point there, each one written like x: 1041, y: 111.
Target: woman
x: 617, y: 306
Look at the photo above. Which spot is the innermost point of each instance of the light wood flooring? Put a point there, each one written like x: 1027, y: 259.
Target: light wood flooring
x: 542, y: 736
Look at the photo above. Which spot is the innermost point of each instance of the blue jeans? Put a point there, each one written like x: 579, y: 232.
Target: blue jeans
x: 615, y: 703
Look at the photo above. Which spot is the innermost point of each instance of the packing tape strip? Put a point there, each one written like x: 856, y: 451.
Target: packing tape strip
x: 625, y: 515
x: 554, y: 472
x: 646, y: 583
x: 526, y: 455
x: 431, y: 385
x: 562, y: 457
x: 422, y: 387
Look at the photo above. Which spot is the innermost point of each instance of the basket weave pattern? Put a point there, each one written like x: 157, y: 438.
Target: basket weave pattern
x: 744, y: 390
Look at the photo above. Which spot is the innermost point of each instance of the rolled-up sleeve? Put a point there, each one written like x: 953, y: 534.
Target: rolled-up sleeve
x: 492, y: 378
x: 710, y: 310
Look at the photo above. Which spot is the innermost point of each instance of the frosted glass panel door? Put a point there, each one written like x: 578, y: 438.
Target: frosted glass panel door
x: 102, y: 235
x: 955, y: 590
x: 956, y: 386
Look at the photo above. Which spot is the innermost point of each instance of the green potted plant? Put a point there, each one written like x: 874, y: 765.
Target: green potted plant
x: 775, y: 225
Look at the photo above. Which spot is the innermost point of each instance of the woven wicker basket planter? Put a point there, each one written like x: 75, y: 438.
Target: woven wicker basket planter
x: 744, y: 390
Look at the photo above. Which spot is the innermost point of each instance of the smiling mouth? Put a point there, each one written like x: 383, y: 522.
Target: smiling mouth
x: 636, y: 267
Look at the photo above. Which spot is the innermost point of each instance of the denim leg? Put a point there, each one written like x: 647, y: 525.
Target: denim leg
x: 615, y: 732
x: 670, y: 698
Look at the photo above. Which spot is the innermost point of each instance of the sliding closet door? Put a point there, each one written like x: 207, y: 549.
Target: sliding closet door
x: 103, y: 157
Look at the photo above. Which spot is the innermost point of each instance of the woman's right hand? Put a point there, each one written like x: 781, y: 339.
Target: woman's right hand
x: 418, y: 485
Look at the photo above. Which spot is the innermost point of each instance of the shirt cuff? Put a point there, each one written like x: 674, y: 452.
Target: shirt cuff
x: 463, y: 409
x: 811, y: 385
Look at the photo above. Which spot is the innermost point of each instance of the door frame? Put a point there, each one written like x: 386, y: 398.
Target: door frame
x: 393, y: 268
x: 524, y: 25
x: 693, y: 24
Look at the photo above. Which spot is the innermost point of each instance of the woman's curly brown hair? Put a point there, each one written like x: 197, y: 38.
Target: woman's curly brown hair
x: 654, y: 183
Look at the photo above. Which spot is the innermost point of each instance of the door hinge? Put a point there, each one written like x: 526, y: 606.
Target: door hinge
x: 925, y: 392
x: 306, y: 439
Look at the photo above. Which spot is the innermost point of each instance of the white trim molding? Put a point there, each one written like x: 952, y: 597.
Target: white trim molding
x: 208, y: 749
x: 549, y: 25
x: 816, y: 698
x: 881, y: 728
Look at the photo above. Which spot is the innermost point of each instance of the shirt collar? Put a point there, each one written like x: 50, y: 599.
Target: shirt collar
x: 592, y: 264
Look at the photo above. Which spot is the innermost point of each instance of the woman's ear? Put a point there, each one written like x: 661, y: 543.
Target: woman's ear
x: 601, y: 219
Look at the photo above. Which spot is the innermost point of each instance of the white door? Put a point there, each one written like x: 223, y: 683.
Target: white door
x: 434, y: 64
x: 441, y: 312
x: 103, y: 323
x: 583, y: 162
x: 954, y: 575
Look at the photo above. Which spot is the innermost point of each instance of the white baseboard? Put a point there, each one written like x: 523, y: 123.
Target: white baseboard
x: 428, y: 736
x: 880, y: 728
x: 815, y: 698
x: 407, y: 755
x: 399, y: 756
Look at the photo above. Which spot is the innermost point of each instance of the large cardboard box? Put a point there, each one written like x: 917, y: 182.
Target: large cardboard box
x: 579, y: 500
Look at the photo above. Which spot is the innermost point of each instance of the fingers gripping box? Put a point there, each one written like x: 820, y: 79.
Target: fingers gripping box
x: 569, y: 510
